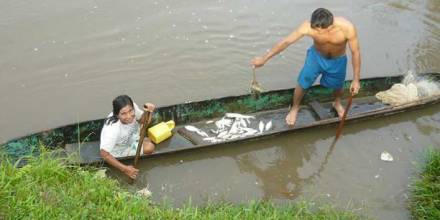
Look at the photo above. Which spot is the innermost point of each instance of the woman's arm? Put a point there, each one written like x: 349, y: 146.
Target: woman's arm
x: 147, y: 107
x: 128, y: 170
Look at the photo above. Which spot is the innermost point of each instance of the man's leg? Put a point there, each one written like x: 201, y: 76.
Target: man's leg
x: 298, y: 94
x: 310, y: 71
x: 334, y: 77
x: 337, y: 105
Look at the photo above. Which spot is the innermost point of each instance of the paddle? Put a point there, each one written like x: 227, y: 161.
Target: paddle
x: 142, y: 133
x: 341, y: 123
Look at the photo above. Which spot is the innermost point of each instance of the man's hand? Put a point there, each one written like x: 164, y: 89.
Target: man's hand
x: 354, y: 87
x: 148, y: 107
x: 258, y: 62
x: 131, y: 172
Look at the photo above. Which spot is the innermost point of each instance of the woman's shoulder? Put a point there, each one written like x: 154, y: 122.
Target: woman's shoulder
x: 109, y: 124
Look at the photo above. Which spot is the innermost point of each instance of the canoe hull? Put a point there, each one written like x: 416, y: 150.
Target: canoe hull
x: 198, y: 112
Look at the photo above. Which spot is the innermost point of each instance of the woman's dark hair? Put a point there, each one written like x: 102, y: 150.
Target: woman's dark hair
x: 119, y: 103
x: 321, y: 18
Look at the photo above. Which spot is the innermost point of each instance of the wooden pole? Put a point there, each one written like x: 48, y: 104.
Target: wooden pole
x: 341, y: 123
x: 142, y: 133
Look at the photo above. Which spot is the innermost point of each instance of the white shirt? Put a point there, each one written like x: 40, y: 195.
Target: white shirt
x: 119, y: 139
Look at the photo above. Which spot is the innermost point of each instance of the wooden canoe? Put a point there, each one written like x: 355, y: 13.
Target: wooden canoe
x: 316, y: 110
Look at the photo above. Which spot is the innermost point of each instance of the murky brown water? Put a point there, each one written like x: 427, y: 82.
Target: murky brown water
x: 63, y: 62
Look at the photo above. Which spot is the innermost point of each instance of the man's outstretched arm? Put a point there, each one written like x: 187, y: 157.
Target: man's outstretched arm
x: 297, y: 34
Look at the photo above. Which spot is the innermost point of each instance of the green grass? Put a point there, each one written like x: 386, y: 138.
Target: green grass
x: 48, y: 188
x: 425, y: 190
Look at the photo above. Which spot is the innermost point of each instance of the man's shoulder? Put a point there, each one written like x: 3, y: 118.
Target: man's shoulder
x: 343, y: 22
x: 305, y: 27
x: 346, y: 26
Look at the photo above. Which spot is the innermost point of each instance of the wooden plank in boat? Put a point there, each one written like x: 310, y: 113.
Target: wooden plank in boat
x: 322, y: 112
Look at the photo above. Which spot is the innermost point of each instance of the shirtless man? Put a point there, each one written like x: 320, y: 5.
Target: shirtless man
x: 326, y: 56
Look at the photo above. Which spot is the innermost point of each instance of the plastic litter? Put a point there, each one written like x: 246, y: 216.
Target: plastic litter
x: 101, y: 173
x: 385, y: 156
x: 144, y: 192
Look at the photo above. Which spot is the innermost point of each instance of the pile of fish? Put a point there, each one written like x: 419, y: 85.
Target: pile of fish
x: 231, y: 126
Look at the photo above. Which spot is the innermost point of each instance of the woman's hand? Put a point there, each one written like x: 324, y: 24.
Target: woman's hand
x: 131, y: 172
x: 148, y: 107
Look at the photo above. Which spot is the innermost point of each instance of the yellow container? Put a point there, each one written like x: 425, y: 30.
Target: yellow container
x: 161, y: 131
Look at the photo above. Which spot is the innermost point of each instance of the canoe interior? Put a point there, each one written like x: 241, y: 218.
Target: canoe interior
x: 271, y: 105
x: 89, y: 152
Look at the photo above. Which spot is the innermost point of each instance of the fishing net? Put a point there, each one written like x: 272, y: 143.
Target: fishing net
x: 398, y: 94
x: 411, y: 89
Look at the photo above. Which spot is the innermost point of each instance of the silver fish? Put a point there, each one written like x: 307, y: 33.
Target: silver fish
x: 234, y: 127
x: 261, y: 127
x: 222, y: 134
x: 249, y: 131
x: 235, y: 136
x: 268, y: 126
x: 198, y: 131
x: 227, y: 137
x: 222, y: 123
x: 248, y: 121
x: 243, y: 123
x: 210, y: 139
x: 236, y: 115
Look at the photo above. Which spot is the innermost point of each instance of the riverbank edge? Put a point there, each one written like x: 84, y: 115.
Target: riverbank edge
x: 424, y: 202
x: 49, y: 188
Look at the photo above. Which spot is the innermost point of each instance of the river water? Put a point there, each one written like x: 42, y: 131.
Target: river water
x: 64, y: 61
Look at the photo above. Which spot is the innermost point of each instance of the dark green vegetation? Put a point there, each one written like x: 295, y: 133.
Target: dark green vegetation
x: 425, y: 190
x: 47, y: 188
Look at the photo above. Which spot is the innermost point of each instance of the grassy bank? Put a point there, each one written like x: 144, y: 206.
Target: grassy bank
x: 425, y: 190
x: 48, y: 189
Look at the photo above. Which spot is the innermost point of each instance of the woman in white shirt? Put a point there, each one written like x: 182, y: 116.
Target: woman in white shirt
x: 120, y: 134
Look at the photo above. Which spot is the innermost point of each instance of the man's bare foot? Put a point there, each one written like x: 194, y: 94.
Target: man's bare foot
x: 291, y: 116
x: 339, y: 109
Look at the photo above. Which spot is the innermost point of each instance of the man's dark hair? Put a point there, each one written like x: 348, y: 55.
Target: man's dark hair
x: 321, y: 18
x: 119, y: 103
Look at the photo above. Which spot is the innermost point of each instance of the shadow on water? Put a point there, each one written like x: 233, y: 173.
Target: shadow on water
x: 285, y: 186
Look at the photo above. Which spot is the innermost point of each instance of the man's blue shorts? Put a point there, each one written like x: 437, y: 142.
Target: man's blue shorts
x: 333, y: 70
